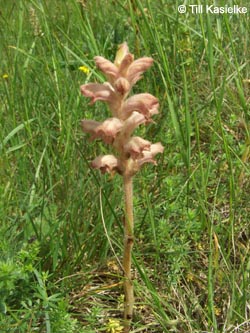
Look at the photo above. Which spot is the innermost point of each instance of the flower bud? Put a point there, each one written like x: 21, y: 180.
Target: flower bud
x: 121, y: 53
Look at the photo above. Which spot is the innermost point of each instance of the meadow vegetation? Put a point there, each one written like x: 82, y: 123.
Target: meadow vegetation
x: 61, y: 222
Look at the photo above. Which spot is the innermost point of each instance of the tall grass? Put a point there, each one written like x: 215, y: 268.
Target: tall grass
x: 192, y: 214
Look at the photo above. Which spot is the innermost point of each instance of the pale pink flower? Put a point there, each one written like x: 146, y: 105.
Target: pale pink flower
x: 137, y: 68
x: 122, y: 86
x: 126, y: 62
x: 148, y: 155
x: 107, y: 67
x: 97, y: 91
x: 131, y: 123
x: 106, y: 163
x: 114, y: 71
x: 89, y: 126
x: 106, y: 130
x: 145, y: 103
x: 117, y: 69
x: 135, y: 146
x: 103, y: 92
x: 123, y: 66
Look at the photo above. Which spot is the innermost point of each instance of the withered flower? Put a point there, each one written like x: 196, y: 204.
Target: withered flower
x: 106, y: 163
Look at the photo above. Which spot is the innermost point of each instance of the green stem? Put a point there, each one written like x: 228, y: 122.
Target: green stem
x: 128, y: 245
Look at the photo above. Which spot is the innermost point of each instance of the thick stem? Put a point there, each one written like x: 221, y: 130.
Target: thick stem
x: 128, y: 245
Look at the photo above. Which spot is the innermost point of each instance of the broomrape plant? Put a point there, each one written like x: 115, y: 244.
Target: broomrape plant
x: 132, y: 151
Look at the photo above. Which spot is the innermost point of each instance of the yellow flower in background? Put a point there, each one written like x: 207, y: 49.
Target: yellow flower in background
x: 5, y: 76
x: 84, y: 69
x: 217, y: 310
x: 114, y: 326
x: 189, y: 277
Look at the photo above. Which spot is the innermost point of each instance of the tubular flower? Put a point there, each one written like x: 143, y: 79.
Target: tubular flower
x: 107, y: 67
x: 127, y: 113
x: 146, y: 104
x: 136, y: 146
x: 102, y: 92
x: 89, y: 126
x: 148, y: 155
x: 138, y: 67
x: 124, y: 66
x: 131, y: 123
x: 106, y: 130
x: 97, y: 91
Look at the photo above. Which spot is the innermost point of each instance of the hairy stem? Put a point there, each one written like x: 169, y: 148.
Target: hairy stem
x: 128, y: 245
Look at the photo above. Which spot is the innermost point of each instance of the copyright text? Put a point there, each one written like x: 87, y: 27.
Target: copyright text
x: 211, y: 9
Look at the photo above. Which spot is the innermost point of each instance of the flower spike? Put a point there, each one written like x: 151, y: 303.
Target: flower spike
x: 132, y: 152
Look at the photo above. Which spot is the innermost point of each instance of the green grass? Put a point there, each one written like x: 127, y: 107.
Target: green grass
x: 61, y: 222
